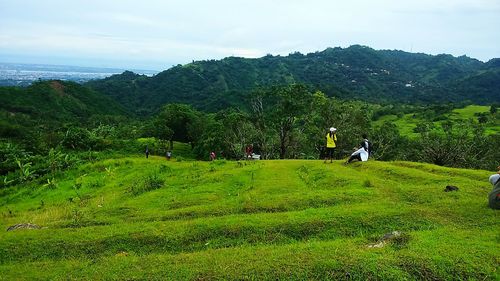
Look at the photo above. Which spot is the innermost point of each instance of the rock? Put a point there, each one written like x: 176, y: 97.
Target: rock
x: 449, y: 188
x: 23, y: 226
x: 385, y: 239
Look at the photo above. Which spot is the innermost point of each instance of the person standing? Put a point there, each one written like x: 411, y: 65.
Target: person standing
x: 331, y: 143
x: 147, y: 151
x: 249, y: 151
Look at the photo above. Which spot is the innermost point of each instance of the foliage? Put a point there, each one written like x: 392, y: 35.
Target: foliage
x: 356, y: 72
x: 148, y: 183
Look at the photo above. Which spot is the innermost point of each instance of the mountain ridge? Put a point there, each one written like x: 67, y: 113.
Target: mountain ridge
x: 356, y: 72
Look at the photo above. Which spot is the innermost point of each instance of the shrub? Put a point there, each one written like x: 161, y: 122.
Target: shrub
x: 147, y: 183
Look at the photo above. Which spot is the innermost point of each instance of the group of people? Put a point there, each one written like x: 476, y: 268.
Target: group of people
x: 168, y: 154
x: 361, y: 153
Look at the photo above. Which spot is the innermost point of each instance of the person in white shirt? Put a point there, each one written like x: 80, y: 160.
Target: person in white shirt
x: 362, y: 153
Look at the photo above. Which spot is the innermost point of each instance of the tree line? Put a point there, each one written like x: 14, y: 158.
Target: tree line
x: 281, y: 122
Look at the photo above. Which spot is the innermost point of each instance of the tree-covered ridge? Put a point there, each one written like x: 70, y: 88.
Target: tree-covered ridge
x: 357, y: 72
x: 39, y: 115
x: 57, y: 100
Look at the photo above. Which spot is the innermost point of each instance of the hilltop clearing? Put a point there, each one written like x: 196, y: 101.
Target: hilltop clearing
x: 136, y: 218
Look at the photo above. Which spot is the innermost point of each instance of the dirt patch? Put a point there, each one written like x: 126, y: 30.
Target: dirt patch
x: 58, y: 88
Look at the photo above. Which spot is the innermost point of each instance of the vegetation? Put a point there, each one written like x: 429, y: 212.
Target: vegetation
x: 250, y: 220
x: 283, y: 122
x: 70, y: 164
x: 357, y: 72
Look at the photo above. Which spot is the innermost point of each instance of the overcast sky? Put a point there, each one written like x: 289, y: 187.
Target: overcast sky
x: 155, y: 35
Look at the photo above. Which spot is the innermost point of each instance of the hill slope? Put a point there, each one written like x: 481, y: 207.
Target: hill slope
x: 46, y: 105
x: 355, y: 72
x: 57, y: 100
x: 137, y: 218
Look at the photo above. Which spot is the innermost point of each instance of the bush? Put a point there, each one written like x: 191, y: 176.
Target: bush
x: 78, y: 138
x: 147, y: 183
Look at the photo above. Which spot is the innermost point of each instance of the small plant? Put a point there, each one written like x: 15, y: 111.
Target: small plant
x: 109, y: 170
x: 6, y: 181
x: 51, y: 183
x: 148, y: 183
x: 96, y: 183
x: 401, y: 241
x: 153, y: 182
x: 24, y: 170
x: 367, y: 183
x: 77, y: 217
x: 77, y: 187
x: 164, y: 169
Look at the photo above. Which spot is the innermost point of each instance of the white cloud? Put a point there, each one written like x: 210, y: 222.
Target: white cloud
x: 179, y: 31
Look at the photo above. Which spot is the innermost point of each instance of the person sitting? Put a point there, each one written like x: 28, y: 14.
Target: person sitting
x: 362, y: 153
x: 494, y: 196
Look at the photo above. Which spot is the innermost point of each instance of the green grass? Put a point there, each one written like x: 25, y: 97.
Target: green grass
x: 288, y: 219
x: 469, y: 111
x: 408, y: 122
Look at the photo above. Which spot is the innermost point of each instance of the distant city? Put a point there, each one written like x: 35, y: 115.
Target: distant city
x: 15, y: 74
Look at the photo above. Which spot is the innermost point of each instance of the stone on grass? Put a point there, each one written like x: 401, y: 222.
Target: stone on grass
x: 449, y: 188
x: 385, y: 239
x: 23, y: 226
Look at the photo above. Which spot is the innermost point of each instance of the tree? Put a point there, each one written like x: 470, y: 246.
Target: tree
x: 280, y: 108
x: 387, y: 140
x: 174, y: 121
x: 493, y: 108
x: 238, y: 133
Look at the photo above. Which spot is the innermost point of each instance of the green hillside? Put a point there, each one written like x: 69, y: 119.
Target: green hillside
x: 357, y: 72
x: 57, y: 100
x: 408, y: 122
x: 136, y: 218
x: 46, y: 108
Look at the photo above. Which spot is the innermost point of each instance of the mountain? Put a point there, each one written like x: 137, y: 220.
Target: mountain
x: 357, y: 72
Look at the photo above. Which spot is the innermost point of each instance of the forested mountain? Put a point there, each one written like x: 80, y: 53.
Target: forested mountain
x: 357, y: 72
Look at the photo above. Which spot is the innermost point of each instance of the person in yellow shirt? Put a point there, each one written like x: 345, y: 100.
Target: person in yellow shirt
x: 331, y: 143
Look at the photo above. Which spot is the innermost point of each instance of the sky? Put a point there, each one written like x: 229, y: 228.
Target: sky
x: 156, y: 35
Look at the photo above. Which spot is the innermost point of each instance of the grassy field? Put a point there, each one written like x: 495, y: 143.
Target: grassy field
x: 136, y: 218
x: 408, y: 122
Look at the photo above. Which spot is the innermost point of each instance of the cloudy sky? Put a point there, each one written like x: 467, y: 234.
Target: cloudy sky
x: 152, y: 34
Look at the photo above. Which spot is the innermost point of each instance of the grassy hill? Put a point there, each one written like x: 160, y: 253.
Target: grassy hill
x: 136, y: 218
x: 408, y: 122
